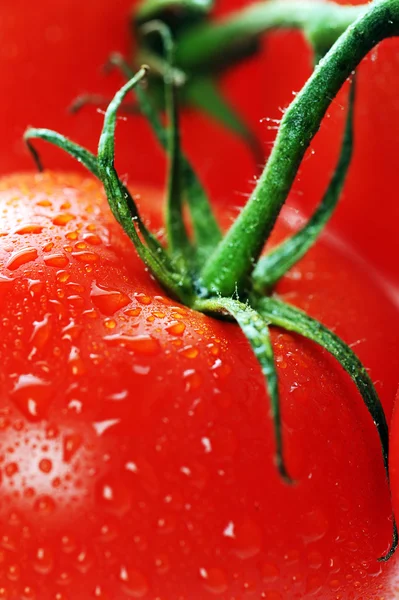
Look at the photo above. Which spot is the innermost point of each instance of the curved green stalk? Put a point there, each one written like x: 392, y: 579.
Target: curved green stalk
x: 124, y: 208
x: 275, y: 264
x: 291, y: 318
x: 86, y: 158
x: 243, y: 244
x: 256, y: 331
x: 156, y: 9
x: 89, y: 160
x: 207, y: 233
x: 323, y: 22
x: 177, y: 238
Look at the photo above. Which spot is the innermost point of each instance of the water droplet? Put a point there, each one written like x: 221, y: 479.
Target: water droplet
x: 13, y: 572
x: 28, y: 593
x: 107, y: 300
x: 48, y: 247
x: 71, y: 331
x: 11, y: 469
x: 63, y: 276
x: 113, y: 496
x: 70, y: 445
x: 75, y: 300
x: 206, y: 442
x: 56, y: 260
x: 229, y: 530
x: 86, y: 256
x: 75, y: 362
x: 110, y: 323
x: 176, y: 328
x: 190, y: 352
x: 45, y: 505
x: 41, y: 333
x: 214, y: 580
x: 248, y: 539
x: 21, y: 257
x: 162, y: 564
x: 315, y: 526
x: 63, y: 219
x: 45, y: 465
x: 84, y: 561
x: 32, y: 396
x: 142, y: 344
x: 143, y: 299
x: 133, y: 312
x: 134, y: 583
x: 102, y: 426
x: 29, y: 228
x: 43, y: 561
x: 93, y: 239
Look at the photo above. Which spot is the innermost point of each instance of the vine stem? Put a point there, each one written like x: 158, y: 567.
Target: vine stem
x: 323, y: 22
x: 231, y: 264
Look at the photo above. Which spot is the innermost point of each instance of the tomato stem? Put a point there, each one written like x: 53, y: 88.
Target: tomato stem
x: 322, y: 23
x: 206, y: 230
x: 237, y: 254
x: 271, y: 267
x: 206, y: 47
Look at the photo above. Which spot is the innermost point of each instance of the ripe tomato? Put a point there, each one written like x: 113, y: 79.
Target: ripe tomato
x: 136, y: 445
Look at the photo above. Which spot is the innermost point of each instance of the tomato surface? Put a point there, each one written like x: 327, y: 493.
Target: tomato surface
x: 50, y: 56
x: 136, y: 446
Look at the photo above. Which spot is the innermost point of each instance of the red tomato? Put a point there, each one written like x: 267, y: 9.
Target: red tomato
x: 48, y: 57
x: 136, y: 445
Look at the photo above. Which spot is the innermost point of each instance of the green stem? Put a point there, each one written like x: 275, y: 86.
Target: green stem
x: 156, y: 9
x: 205, y: 227
x: 275, y: 264
x: 235, y: 257
x: 177, y: 238
x: 322, y: 22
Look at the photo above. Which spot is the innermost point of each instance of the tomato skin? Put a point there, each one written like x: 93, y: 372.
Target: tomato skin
x: 137, y: 449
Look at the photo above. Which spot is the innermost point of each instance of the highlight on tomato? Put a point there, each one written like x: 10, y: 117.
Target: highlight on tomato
x: 184, y: 415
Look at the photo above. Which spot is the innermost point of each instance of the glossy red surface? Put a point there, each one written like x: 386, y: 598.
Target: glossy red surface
x: 136, y: 443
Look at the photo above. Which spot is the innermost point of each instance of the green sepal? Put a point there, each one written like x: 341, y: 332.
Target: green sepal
x: 125, y: 210
x: 293, y: 319
x: 275, y: 264
x: 174, y: 12
x: 207, y: 233
x: 89, y: 160
x: 86, y: 158
x: 178, y: 242
x: 201, y: 48
x: 256, y: 330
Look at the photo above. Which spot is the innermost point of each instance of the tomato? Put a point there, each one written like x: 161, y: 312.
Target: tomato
x: 44, y: 68
x: 136, y: 446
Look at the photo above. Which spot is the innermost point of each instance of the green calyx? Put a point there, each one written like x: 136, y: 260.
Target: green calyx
x: 207, y: 47
x: 226, y: 276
